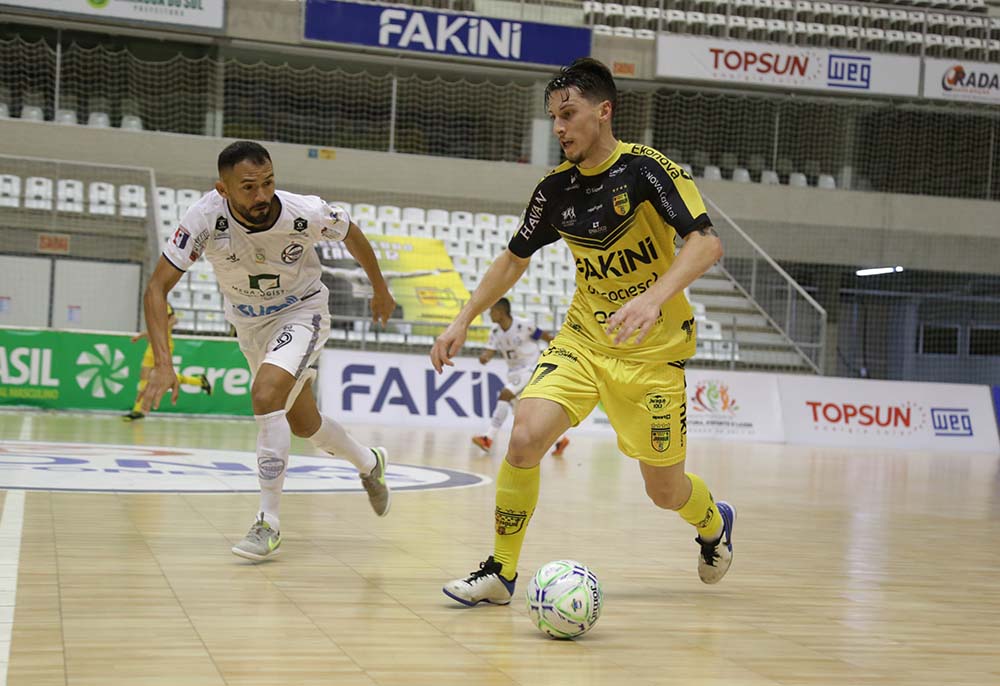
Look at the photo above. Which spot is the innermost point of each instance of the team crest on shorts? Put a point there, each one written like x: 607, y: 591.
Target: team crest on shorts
x: 509, y: 522
x: 300, y: 224
x: 659, y: 438
x: 621, y: 204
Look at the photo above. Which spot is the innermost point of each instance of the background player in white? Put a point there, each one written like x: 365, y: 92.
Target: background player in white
x: 260, y: 243
x: 516, y: 340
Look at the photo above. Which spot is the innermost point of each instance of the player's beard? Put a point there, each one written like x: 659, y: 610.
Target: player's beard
x: 257, y: 215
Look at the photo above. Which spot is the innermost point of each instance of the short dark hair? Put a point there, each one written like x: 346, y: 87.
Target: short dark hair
x: 590, y: 77
x: 236, y: 152
x: 503, y: 304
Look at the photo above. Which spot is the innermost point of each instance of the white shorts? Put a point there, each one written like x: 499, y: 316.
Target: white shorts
x: 291, y: 340
x: 517, y: 379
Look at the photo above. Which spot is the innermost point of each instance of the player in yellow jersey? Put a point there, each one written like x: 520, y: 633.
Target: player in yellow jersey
x: 628, y: 332
x: 199, y: 380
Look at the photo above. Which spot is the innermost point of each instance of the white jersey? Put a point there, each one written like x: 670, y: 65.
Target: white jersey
x: 518, y: 344
x: 259, y: 272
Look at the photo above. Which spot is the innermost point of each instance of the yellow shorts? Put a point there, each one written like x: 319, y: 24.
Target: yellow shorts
x: 646, y: 402
x: 147, y: 357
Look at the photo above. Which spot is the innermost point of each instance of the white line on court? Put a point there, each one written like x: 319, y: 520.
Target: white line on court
x: 10, y: 552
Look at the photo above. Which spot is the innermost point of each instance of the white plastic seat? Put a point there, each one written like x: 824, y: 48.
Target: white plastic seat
x: 395, y: 228
x: 101, y: 198
x: 712, y: 173
x: 202, y: 279
x: 132, y: 200
x: 624, y: 32
x: 454, y: 248
x: 369, y: 226
x: 99, y: 120
x: 769, y: 177
x: 364, y: 211
x: 69, y: 195
x: 479, y: 249
x: 508, y: 222
x: 421, y: 231
x: 461, y: 218
x: 485, y: 220
x: 179, y: 297
x: 10, y: 190
x: 445, y: 232
x: 496, y: 236
x: 470, y: 234
x: 32, y: 113
x: 130, y: 122
x: 436, y: 217
x: 185, y: 198
x: 797, y: 179
x: 741, y: 175
x: 826, y: 182
x: 603, y: 30
x: 414, y: 215
x: 66, y: 117
x: 389, y: 213
x: 210, y: 322
x: 38, y: 193
x: 206, y: 300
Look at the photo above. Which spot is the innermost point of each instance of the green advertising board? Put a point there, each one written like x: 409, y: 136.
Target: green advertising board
x: 78, y: 370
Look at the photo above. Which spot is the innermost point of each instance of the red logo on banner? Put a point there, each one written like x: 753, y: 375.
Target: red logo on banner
x: 846, y: 416
x: 759, y: 62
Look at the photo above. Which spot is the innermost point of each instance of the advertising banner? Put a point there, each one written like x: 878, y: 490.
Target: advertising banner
x: 962, y: 80
x: 419, y: 272
x: 209, y: 14
x: 929, y: 417
x: 68, y: 370
x: 738, y: 406
x: 444, y: 33
x: 405, y: 390
x: 706, y: 58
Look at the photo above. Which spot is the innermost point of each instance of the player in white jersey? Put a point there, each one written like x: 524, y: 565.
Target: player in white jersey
x: 515, y: 339
x: 260, y: 243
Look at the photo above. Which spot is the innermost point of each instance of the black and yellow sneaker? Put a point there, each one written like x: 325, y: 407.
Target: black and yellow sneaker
x: 132, y: 416
x: 206, y: 385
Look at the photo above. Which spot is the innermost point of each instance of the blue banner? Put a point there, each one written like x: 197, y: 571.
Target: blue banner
x: 444, y: 33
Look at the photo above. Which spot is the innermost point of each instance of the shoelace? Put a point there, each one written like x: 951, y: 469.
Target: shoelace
x: 259, y: 531
x: 709, y: 551
x: 487, y: 568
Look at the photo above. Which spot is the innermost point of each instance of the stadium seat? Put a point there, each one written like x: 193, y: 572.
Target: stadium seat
x: 101, y: 198
x: 363, y: 211
x: 99, y: 120
x: 470, y: 234
x: 4, y: 111
x: 421, y: 231
x: 69, y: 195
x: 470, y: 281
x: 179, y: 297
x: 130, y: 122
x: 826, y: 182
x: 769, y: 177
x: 712, y: 173
x: 479, y: 249
x: 32, y: 113
x: 623, y: 32
x: 497, y: 236
x: 66, y: 117
x: 206, y: 300
x: 369, y: 226
x: 132, y: 200
x: 436, y: 217
x: 465, y: 264
x: 508, y: 222
x: 414, y: 215
x: 485, y: 220
x: 461, y: 218
x: 10, y: 190
x: 389, y: 213
x: 741, y: 175
x: 453, y: 247
x: 395, y: 228
x: 38, y: 193
x: 185, y: 319
x: 185, y: 198
x: 445, y: 232
x: 202, y: 279
x: 797, y: 179
x: 210, y: 322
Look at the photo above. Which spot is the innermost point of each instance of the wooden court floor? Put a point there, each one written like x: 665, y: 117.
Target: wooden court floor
x: 851, y: 567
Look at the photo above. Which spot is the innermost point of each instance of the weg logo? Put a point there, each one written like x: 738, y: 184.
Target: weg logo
x: 950, y: 421
x: 848, y: 71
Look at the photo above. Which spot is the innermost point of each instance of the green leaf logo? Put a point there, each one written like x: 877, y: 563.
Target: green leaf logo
x: 103, y: 371
x: 99, y: 4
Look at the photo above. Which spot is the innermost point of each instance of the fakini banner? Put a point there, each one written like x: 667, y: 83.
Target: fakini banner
x: 70, y: 370
x: 209, y: 14
x: 443, y: 33
x: 961, y: 80
x: 704, y: 58
x: 931, y: 417
x: 405, y: 390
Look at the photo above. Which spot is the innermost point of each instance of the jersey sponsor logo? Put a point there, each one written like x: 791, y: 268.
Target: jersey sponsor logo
x: 623, y: 293
x: 300, y: 224
x: 573, y: 185
x: 661, y: 193
x: 181, y: 238
x: 559, y: 351
x: 617, y: 263
x: 264, y: 310
x: 221, y: 226
x: 535, y: 210
x: 673, y: 170
x: 688, y: 327
x: 617, y: 170
x: 621, y: 204
x: 258, y: 257
x: 292, y: 253
x: 264, y: 282
x: 657, y: 403
x: 232, y: 258
x: 595, y: 189
x: 569, y: 215
x: 329, y: 234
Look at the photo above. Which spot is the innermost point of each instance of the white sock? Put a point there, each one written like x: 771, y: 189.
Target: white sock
x: 274, y: 440
x: 498, y: 418
x: 332, y: 438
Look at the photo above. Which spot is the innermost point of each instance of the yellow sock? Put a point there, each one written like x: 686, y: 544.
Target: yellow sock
x: 189, y: 380
x: 138, y: 402
x: 700, y: 510
x: 517, y: 494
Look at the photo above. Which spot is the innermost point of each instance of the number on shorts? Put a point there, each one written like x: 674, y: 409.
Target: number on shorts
x: 546, y: 369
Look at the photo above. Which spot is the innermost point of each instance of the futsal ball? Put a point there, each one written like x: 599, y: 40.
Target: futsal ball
x: 564, y: 599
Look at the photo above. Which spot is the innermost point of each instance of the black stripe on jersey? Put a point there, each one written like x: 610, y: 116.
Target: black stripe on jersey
x: 607, y: 241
